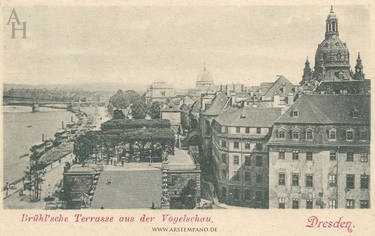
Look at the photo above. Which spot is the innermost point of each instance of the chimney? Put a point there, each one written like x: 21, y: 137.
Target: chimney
x: 290, y: 99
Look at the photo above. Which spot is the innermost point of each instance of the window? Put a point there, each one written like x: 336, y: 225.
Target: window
x: 349, y: 135
x: 332, y: 180
x: 364, y: 181
x: 236, y: 194
x: 281, y: 178
x: 295, y: 180
x: 236, y: 176
x: 247, y: 194
x: 236, y: 160
x: 281, y: 203
x: 224, y: 158
x: 295, y: 135
x: 295, y: 204
x: 163, y: 93
x: 332, y: 156
x: 295, y: 113
x: 282, y: 155
x: 236, y: 145
x: 281, y: 134
x: 259, y: 161
x: 247, y: 130
x: 350, y: 181
x: 223, y: 129
x: 349, y: 156
x: 259, y: 178
x: 259, y: 146
x: 309, y: 204
x: 247, y: 160
x: 309, y: 134
x: 332, y: 203
x: 248, y: 176
x: 364, y: 157
x: 258, y: 196
x: 363, y: 135
x: 295, y: 155
x: 332, y: 135
x: 309, y: 181
x: 364, y: 204
x: 350, y: 203
x: 259, y: 130
x: 238, y: 129
x: 223, y: 144
x: 309, y: 156
x: 247, y: 145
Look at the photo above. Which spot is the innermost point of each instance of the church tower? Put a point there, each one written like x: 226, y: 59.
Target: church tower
x: 307, y: 72
x: 332, y: 24
x: 358, y: 75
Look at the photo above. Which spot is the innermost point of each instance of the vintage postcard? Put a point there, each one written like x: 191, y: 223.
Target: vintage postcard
x: 186, y: 117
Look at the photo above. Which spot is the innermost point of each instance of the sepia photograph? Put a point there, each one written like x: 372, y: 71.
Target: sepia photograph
x: 186, y: 106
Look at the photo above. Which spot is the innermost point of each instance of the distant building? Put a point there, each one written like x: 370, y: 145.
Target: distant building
x: 332, y: 73
x: 204, y: 79
x: 173, y: 114
x: 319, y: 153
x: 159, y: 91
x: 240, y: 155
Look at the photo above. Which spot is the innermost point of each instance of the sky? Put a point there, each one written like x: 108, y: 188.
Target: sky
x: 142, y: 44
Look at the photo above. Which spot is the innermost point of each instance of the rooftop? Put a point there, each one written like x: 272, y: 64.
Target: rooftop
x: 217, y: 105
x: 329, y: 109
x: 249, y: 117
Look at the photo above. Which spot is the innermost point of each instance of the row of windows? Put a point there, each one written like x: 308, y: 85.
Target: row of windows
x: 248, y: 194
x: 238, y: 130
x: 332, y: 180
x: 248, y: 162
x: 309, y: 180
x: 236, y: 145
x: 331, y: 134
x: 332, y: 156
x: 259, y: 178
x: 350, y: 203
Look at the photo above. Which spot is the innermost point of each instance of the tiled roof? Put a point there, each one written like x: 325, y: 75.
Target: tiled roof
x: 217, y: 105
x: 250, y: 117
x: 277, y: 85
x: 329, y: 109
x: 128, y: 189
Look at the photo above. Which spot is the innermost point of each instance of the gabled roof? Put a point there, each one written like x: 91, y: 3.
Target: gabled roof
x: 329, y: 109
x: 217, y: 105
x: 249, y: 117
x: 275, y: 89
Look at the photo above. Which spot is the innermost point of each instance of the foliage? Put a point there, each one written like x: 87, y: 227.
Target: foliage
x: 118, y: 114
x: 188, y: 195
x: 154, y: 110
x: 122, y: 100
x: 138, y: 110
x: 133, y: 124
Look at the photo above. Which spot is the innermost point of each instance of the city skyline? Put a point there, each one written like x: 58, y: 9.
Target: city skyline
x: 232, y: 41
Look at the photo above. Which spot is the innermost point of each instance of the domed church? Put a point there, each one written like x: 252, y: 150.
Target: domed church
x: 204, y: 79
x: 332, y: 73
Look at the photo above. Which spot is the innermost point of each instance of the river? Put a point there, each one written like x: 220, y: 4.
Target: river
x: 21, y: 130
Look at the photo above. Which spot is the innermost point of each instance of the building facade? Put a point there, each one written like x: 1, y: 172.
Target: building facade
x: 159, y: 91
x: 240, y: 155
x: 319, y: 153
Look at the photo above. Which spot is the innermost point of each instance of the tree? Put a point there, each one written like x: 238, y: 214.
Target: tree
x: 118, y: 114
x: 154, y: 110
x: 188, y: 194
x: 138, y: 111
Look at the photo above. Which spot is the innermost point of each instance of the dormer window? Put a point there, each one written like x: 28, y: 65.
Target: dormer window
x: 332, y: 135
x: 295, y: 135
x: 295, y: 113
x: 309, y: 134
x: 281, y: 134
x: 349, y: 135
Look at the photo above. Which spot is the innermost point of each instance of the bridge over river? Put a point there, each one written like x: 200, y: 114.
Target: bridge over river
x: 35, y: 104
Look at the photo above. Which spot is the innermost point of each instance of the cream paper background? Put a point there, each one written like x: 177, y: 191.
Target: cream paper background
x: 228, y: 222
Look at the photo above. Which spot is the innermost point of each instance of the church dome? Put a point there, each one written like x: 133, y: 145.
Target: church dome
x: 204, y: 76
x: 332, y: 52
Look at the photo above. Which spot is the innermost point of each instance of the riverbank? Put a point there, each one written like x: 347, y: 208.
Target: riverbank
x: 52, y: 159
